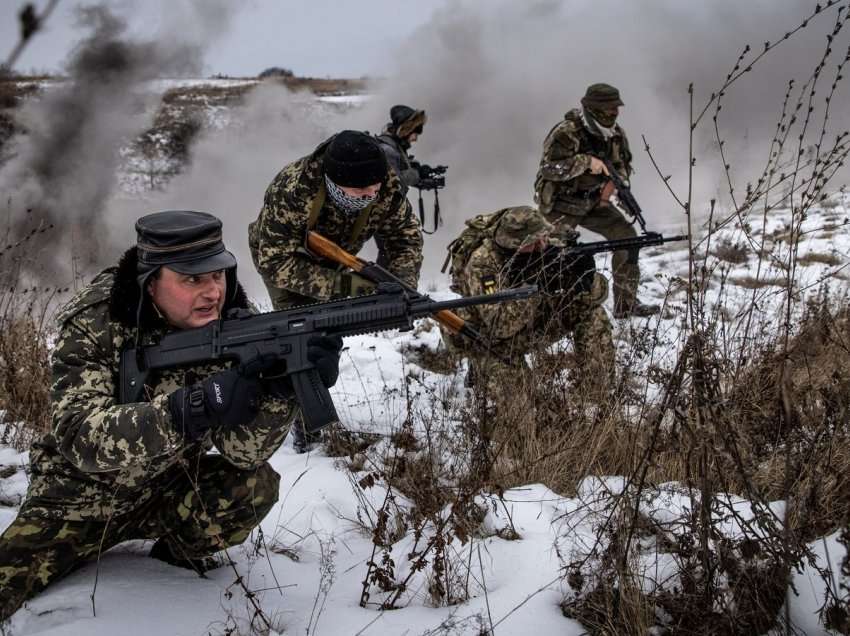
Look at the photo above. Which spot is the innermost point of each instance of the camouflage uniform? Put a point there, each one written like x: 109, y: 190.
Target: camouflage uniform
x: 291, y: 275
x: 569, y: 196
x: 109, y: 472
x: 518, y: 327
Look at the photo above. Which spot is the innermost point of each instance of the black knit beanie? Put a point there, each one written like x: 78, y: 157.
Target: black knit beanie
x: 354, y: 160
x: 400, y: 114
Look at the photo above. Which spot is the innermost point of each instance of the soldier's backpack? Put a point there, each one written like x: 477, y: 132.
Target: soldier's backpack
x: 477, y: 229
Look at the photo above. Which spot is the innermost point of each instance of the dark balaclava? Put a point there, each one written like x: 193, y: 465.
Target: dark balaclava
x: 597, y: 99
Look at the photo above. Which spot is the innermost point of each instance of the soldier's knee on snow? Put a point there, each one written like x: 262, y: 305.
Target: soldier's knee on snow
x: 266, y: 489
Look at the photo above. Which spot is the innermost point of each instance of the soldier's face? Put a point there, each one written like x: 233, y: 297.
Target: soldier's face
x: 186, y: 300
x: 369, y: 192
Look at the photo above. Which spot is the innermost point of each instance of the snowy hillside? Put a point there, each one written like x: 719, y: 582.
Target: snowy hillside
x: 306, y: 570
x: 345, y: 551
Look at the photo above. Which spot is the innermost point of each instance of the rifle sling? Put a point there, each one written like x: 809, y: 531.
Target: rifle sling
x: 316, y: 209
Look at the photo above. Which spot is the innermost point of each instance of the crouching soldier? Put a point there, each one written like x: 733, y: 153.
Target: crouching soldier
x: 111, y: 471
x: 517, y: 246
x: 346, y: 192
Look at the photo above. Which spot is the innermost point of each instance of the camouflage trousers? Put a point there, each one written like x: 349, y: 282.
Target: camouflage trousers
x: 611, y: 224
x: 593, y: 345
x: 205, y: 508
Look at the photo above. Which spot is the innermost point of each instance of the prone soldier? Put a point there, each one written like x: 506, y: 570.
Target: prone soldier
x: 573, y: 186
x: 112, y: 471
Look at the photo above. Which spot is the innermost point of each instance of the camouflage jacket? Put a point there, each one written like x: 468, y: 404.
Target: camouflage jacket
x: 103, y: 458
x: 276, y: 238
x: 517, y: 326
x: 399, y: 160
x: 566, y: 160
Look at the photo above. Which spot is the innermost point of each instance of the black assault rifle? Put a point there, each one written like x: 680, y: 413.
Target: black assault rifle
x: 648, y: 239
x: 557, y: 270
x: 283, y: 335
x: 554, y: 261
x: 624, y: 199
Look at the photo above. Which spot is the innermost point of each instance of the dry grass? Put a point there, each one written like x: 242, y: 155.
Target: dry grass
x: 818, y: 258
x: 750, y: 282
x: 24, y: 377
x: 729, y: 252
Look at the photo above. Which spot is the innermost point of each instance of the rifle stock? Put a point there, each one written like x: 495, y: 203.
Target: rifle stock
x: 377, y: 274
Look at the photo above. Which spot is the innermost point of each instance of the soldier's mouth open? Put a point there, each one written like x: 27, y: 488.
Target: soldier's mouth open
x: 207, y: 310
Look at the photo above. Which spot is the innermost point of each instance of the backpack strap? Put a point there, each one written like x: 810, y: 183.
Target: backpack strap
x: 316, y: 207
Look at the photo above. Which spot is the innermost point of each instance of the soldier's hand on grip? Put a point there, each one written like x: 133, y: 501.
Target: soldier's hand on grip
x: 322, y: 352
x: 228, y: 398
x: 608, y: 190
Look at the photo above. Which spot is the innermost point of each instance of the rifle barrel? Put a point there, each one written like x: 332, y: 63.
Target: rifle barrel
x: 519, y: 293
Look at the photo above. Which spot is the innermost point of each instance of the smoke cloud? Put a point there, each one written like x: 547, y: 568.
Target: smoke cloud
x: 494, y: 81
x: 63, y: 172
x: 494, y: 78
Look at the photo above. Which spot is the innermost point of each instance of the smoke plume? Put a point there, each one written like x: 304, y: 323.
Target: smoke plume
x: 64, y: 169
x: 493, y: 78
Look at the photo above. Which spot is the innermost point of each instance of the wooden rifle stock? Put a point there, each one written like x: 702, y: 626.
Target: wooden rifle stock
x: 331, y: 251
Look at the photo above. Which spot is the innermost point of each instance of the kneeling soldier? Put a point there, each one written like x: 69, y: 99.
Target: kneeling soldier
x: 108, y: 471
x: 517, y: 246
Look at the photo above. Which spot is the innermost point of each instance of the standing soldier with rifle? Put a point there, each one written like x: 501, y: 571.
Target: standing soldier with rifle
x: 114, y: 469
x: 583, y: 156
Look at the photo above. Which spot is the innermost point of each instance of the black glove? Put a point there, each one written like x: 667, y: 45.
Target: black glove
x: 565, y: 274
x: 323, y: 352
x: 228, y: 398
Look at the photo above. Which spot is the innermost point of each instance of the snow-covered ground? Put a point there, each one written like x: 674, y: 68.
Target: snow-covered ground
x: 308, y: 576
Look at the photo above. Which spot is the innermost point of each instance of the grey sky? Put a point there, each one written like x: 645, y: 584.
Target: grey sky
x: 312, y: 37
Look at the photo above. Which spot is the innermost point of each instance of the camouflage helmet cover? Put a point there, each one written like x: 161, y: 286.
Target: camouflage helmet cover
x: 521, y: 225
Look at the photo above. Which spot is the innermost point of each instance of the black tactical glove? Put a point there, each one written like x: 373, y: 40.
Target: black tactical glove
x: 568, y: 274
x: 228, y: 398
x: 323, y: 352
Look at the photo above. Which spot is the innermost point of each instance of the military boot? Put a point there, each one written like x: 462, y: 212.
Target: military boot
x: 626, y: 304
x: 637, y: 310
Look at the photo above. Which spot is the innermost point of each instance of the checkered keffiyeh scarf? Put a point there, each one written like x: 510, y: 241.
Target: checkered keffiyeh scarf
x: 344, y: 201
